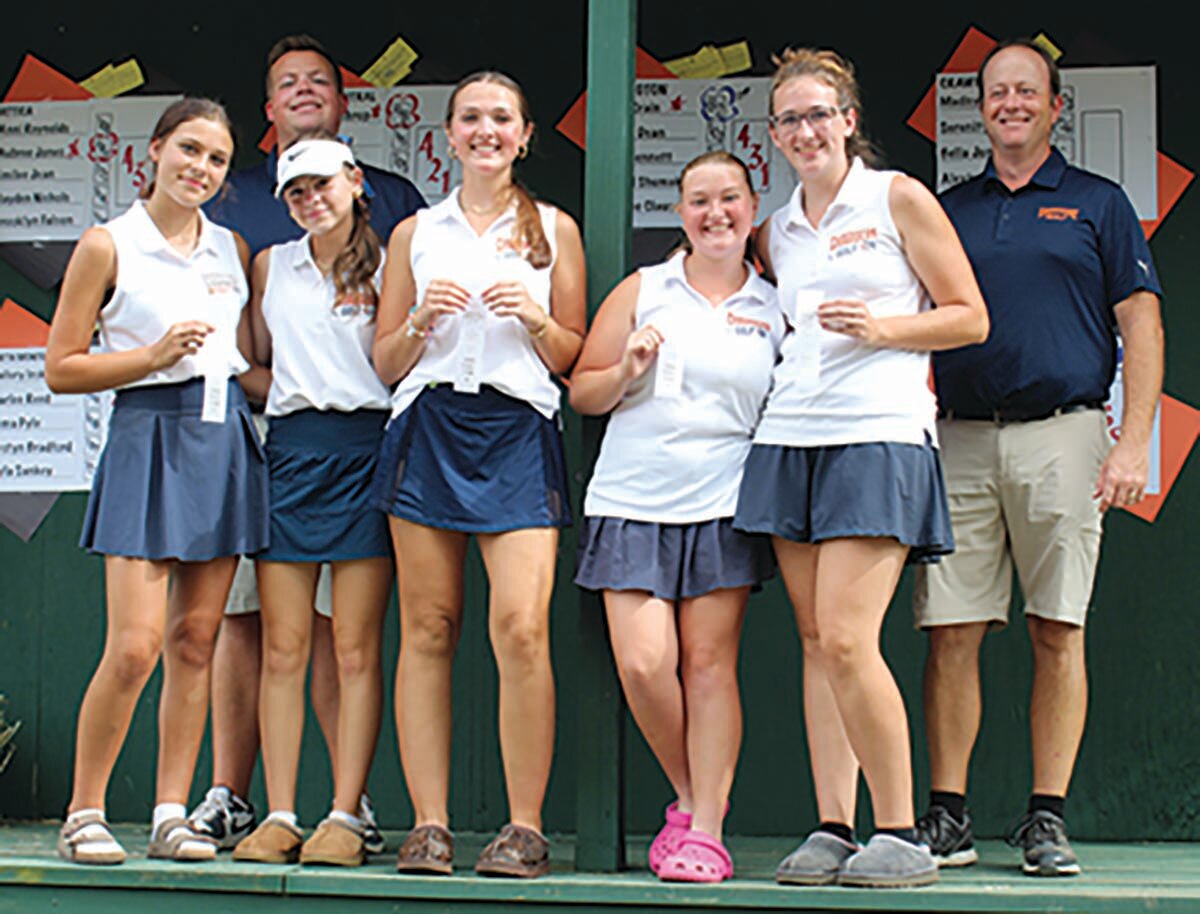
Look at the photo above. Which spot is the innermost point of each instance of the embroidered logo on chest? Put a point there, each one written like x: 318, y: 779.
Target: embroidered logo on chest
x: 746, y: 326
x: 1058, y: 213
x: 853, y: 242
x: 220, y: 283
x: 509, y: 249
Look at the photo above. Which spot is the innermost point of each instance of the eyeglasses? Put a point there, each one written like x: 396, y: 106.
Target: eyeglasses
x: 818, y: 119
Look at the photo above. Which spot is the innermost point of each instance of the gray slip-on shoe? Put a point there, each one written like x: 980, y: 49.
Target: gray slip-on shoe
x: 889, y: 862
x: 815, y: 862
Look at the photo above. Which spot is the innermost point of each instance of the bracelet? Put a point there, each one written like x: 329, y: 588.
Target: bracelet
x: 541, y: 332
x: 413, y: 332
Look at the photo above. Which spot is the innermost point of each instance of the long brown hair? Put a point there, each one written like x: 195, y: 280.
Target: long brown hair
x: 528, y: 235
x: 835, y: 71
x: 355, y: 265
x: 179, y: 113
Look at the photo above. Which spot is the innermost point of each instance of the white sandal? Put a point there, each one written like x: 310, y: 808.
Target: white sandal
x: 87, y: 839
x: 176, y: 839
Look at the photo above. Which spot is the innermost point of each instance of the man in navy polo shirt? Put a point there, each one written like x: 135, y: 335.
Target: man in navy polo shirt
x: 1063, y: 265
x: 304, y: 96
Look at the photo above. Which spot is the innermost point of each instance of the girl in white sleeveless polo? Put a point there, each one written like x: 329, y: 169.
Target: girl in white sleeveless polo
x: 844, y: 472
x: 313, y: 314
x: 682, y: 354
x: 180, y: 490
x: 483, y: 302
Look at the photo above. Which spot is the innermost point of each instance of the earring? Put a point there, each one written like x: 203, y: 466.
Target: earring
x: 522, y: 151
x: 451, y: 152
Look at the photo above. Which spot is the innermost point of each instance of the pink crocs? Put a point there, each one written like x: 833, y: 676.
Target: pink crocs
x: 698, y: 858
x: 668, y: 837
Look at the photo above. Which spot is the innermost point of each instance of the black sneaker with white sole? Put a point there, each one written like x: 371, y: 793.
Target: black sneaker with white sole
x: 373, y: 842
x: 951, y: 842
x: 223, y: 816
x: 1042, y: 836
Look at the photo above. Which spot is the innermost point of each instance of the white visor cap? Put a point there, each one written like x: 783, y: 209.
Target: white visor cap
x: 311, y: 157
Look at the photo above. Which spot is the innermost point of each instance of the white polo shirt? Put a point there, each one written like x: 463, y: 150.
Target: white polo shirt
x: 157, y: 286
x: 830, y: 389
x: 678, y: 458
x: 445, y: 246
x: 320, y: 352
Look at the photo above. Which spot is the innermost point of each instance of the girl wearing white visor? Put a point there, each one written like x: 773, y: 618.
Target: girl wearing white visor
x: 313, y: 308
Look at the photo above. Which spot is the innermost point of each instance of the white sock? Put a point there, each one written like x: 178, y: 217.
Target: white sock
x: 285, y: 815
x: 79, y: 813
x: 353, y: 821
x: 165, y: 811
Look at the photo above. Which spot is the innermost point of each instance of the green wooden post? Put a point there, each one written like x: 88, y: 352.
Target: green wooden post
x: 608, y: 210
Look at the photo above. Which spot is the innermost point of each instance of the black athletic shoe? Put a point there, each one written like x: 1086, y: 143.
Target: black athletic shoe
x: 373, y: 842
x: 1043, y: 837
x: 223, y: 816
x: 951, y: 842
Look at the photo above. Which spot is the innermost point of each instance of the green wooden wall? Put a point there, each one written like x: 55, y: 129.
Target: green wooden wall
x: 1138, y: 771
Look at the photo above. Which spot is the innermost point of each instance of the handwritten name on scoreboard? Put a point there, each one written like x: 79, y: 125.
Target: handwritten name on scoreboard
x: 65, y: 166
x: 48, y: 442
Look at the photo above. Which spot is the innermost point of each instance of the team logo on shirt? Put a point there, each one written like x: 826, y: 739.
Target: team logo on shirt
x: 747, y: 326
x: 349, y: 310
x: 1058, y: 213
x: 356, y: 303
x: 854, y: 241
x: 220, y: 283
x: 509, y: 249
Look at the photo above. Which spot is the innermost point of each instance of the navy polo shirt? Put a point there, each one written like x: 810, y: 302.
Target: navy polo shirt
x: 247, y: 204
x: 1052, y: 259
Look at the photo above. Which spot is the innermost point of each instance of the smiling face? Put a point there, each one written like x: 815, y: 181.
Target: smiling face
x: 1019, y: 110
x: 717, y: 207
x: 320, y: 203
x: 487, y: 129
x: 303, y: 96
x: 810, y: 127
x: 191, y: 161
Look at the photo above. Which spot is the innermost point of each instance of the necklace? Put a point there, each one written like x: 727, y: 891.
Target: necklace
x: 495, y: 207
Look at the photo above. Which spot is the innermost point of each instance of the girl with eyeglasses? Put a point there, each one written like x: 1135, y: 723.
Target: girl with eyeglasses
x: 844, y: 472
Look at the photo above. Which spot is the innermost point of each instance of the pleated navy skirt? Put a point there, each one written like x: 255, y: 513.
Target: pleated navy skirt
x: 321, y: 468
x: 479, y: 463
x: 879, y: 489
x: 169, y: 486
x: 671, y: 561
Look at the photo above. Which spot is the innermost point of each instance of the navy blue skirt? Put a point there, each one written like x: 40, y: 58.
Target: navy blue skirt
x: 671, y: 561
x: 479, y: 463
x: 813, y: 494
x: 321, y: 466
x: 169, y: 486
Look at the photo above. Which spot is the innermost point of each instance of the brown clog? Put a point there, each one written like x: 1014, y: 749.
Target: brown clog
x: 334, y: 843
x: 274, y: 841
x: 518, y: 852
x: 428, y: 849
